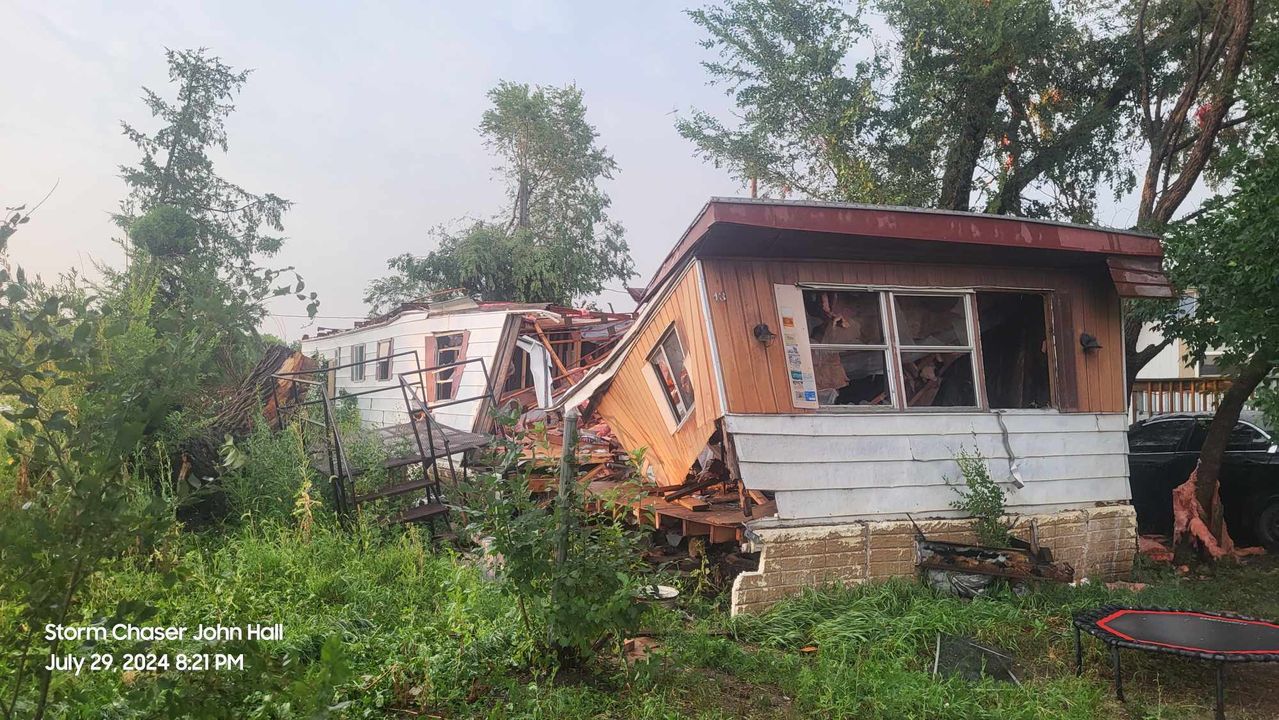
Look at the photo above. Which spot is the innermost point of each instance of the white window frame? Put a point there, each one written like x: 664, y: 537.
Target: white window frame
x: 357, y: 367
x: 970, y: 318
x: 890, y: 367
x: 390, y: 362
x: 659, y: 385
x: 893, y: 348
x: 451, y: 379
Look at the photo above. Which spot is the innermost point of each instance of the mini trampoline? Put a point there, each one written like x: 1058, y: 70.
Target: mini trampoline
x: 1213, y: 637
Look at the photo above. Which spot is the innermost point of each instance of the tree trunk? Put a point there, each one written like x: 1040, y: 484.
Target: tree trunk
x: 1134, y: 359
x: 1214, y: 447
x: 961, y: 160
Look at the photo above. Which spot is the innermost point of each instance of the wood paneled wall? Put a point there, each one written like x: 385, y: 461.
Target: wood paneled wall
x: 630, y: 406
x: 1083, y: 300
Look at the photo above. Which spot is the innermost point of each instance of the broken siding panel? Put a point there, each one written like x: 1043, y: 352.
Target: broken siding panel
x: 1082, y: 303
x: 832, y: 465
x: 631, y: 407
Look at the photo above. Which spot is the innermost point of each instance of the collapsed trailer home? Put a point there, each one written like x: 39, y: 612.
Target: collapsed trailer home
x: 425, y: 378
x: 525, y: 353
x: 829, y: 361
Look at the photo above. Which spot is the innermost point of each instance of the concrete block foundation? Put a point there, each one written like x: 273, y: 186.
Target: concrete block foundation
x: 1099, y: 542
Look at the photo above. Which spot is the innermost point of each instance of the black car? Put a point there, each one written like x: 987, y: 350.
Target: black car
x: 1162, y: 453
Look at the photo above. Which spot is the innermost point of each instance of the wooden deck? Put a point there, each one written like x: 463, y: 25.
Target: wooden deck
x: 722, y: 523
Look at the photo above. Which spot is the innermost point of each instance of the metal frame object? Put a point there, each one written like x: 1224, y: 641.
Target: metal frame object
x: 420, y: 414
x: 1195, y: 643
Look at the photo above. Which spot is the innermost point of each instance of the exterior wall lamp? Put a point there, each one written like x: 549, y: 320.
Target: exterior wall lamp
x: 1088, y: 343
x: 764, y: 334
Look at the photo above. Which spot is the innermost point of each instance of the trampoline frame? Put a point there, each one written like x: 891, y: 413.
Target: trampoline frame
x: 1090, y: 621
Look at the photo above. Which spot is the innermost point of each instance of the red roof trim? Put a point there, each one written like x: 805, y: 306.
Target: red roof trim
x: 906, y: 224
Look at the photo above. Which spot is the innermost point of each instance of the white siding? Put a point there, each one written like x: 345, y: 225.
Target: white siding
x: 1167, y: 363
x: 857, y: 465
x: 409, y: 332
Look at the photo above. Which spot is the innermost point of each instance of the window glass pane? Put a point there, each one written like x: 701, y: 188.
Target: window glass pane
x: 675, y: 356
x: 931, y: 320
x: 938, y: 379
x: 667, y: 362
x: 1162, y: 436
x: 357, y: 357
x: 851, y: 377
x: 666, y: 378
x: 384, y: 366
x: 1246, y: 437
x: 1210, y: 367
x: 843, y: 318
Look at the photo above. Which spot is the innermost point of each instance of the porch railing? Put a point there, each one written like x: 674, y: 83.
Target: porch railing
x: 1172, y: 395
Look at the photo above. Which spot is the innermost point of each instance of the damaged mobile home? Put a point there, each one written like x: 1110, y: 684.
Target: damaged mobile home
x: 469, y: 351
x: 830, y: 360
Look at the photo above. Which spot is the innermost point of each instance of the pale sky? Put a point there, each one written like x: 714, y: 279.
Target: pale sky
x: 363, y: 115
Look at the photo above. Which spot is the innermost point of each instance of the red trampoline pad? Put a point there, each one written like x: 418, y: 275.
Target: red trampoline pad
x: 1192, y: 631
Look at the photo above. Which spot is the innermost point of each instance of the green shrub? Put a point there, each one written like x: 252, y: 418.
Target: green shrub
x: 572, y: 607
x: 981, y: 498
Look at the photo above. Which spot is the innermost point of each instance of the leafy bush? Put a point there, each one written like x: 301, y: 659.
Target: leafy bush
x: 579, y: 603
x: 981, y: 498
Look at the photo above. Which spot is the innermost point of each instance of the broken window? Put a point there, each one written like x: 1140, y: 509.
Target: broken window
x: 1014, y: 349
x: 667, y: 362
x: 520, y: 375
x: 936, y: 350
x: 448, y: 349
x: 918, y: 348
x: 384, y: 359
x: 846, y: 334
x: 357, y: 362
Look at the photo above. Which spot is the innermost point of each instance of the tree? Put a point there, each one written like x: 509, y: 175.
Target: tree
x: 1016, y: 107
x: 553, y: 241
x: 1000, y: 102
x: 1186, y: 100
x: 1229, y: 254
x: 198, y: 235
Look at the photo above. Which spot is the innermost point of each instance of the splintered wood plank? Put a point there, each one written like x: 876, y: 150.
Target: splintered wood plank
x: 652, y: 509
x: 695, y: 504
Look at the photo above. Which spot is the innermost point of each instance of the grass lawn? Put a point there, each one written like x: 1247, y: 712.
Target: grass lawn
x: 419, y: 633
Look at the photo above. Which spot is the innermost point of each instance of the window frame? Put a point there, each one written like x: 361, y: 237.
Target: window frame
x: 1179, y: 446
x: 650, y: 364
x: 886, y: 348
x: 451, y: 380
x: 967, y: 295
x: 383, y: 369
x: 357, y: 366
x: 893, y: 348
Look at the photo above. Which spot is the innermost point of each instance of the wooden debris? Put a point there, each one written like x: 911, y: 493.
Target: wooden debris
x: 695, y: 504
x: 1013, y: 563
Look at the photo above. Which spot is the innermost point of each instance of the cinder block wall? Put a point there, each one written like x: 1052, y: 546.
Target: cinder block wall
x: 1099, y: 542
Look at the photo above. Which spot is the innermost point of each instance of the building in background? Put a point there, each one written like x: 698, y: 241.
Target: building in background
x: 464, y: 351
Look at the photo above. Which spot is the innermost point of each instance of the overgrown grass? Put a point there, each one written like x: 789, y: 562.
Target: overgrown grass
x: 421, y: 634
x: 379, y: 622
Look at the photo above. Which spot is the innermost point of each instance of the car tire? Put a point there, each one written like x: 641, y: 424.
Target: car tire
x: 1267, y: 525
